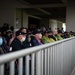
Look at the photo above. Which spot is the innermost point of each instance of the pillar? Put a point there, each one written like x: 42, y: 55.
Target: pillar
x: 70, y: 19
x: 52, y: 24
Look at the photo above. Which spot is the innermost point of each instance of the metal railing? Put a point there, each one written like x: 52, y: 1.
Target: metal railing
x: 56, y: 58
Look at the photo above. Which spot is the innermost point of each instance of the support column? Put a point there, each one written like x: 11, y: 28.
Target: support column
x: 70, y: 19
x: 53, y: 24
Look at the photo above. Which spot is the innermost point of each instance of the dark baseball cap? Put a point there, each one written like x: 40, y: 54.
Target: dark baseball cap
x: 36, y: 31
x: 20, y: 33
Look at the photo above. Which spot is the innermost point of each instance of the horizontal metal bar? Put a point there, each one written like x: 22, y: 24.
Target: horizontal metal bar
x: 14, y: 55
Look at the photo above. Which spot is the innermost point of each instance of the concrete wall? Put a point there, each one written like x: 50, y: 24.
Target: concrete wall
x: 19, y: 17
x: 44, y: 22
x: 22, y: 18
x: 8, y: 15
x: 25, y: 19
x: 11, y: 9
x: 70, y: 18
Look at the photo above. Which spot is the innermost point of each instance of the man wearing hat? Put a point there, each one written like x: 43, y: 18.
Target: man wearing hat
x: 36, y: 38
x: 17, y: 43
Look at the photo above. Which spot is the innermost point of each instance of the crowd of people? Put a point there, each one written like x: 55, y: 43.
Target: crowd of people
x: 23, y: 38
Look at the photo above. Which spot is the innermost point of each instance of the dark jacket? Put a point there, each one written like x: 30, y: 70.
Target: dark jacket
x: 34, y: 42
x: 17, y: 45
x: 26, y: 43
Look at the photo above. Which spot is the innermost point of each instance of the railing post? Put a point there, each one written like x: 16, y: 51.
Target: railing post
x: 2, y: 69
x: 62, y: 59
x: 51, y: 61
x: 38, y: 63
x: 42, y: 62
x: 27, y: 65
x: 33, y: 64
x: 46, y: 61
x: 55, y: 64
x: 12, y: 68
x: 20, y: 66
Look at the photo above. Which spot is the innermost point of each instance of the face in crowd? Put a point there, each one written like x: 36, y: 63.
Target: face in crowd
x: 55, y: 32
x: 38, y: 36
x: 21, y: 36
x: 23, y: 29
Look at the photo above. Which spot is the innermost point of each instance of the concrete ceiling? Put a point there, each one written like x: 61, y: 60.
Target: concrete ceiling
x: 53, y: 9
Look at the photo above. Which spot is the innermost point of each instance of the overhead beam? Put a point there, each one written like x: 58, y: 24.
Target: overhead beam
x: 43, y: 5
x: 26, y: 3
x: 48, y: 5
x: 43, y: 11
x: 31, y: 6
x: 34, y: 17
x: 65, y: 1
